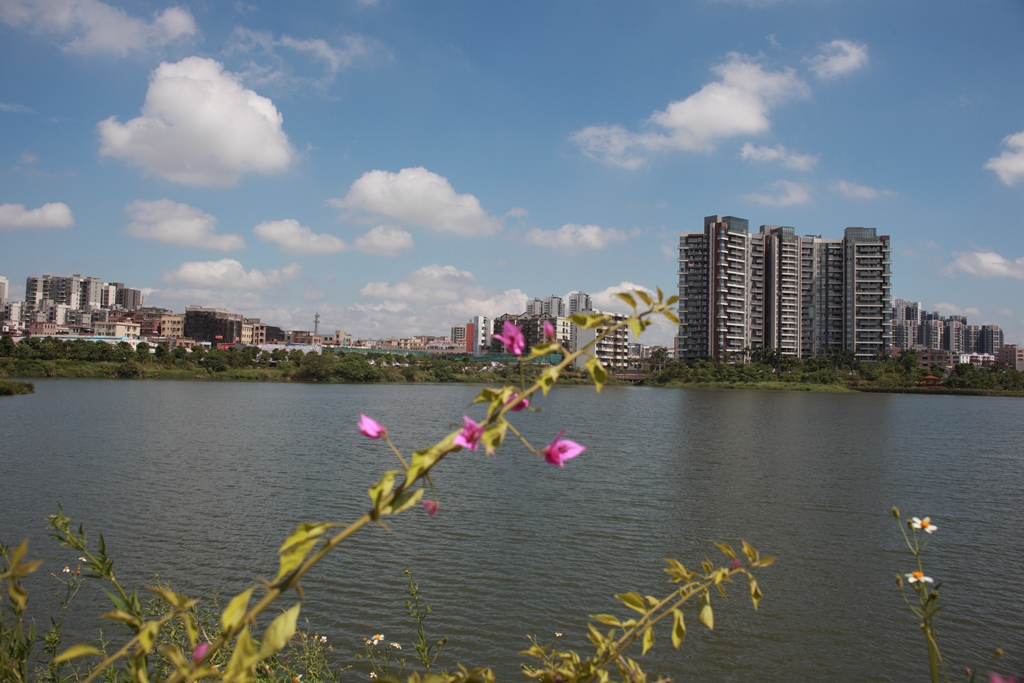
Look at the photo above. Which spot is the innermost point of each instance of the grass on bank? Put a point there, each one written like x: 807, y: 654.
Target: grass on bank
x: 11, y: 388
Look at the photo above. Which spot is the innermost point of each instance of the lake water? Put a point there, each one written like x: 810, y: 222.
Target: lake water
x: 200, y: 482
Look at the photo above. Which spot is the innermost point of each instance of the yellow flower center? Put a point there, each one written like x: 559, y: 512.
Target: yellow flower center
x: 918, y: 575
x: 925, y: 524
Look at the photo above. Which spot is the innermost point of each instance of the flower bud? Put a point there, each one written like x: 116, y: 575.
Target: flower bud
x: 895, y: 512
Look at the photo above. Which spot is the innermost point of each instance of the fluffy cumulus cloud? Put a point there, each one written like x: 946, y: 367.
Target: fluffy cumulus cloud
x: 432, y: 283
x: 838, y: 58
x: 293, y: 238
x: 855, y: 191
x: 229, y: 274
x: 736, y: 104
x: 1009, y: 165
x: 946, y: 308
x: 51, y: 216
x: 786, y: 193
x: 987, y: 264
x: 200, y: 126
x: 573, y: 237
x: 661, y: 333
x: 91, y: 27
x: 179, y: 224
x: 386, y: 240
x: 417, y: 197
x: 787, y: 158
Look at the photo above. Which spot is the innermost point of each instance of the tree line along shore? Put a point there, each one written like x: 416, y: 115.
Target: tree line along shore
x: 766, y: 370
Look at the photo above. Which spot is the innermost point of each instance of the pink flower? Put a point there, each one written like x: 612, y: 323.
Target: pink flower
x: 201, y: 648
x: 561, y: 450
x: 431, y: 507
x: 470, y: 435
x: 736, y: 564
x: 549, y: 329
x: 370, y: 427
x: 993, y: 677
x: 517, y: 403
x: 512, y: 337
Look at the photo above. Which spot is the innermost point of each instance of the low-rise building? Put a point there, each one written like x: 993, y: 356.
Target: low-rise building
x: 123, y: 329
x: 1011, y: 357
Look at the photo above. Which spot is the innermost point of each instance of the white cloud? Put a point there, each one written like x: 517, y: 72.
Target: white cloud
x: 93, y: 27
x: 1009, y: 165
x: 838, y: 58
x: 418, y: 197
x: 293, y: 238
x: 737, y: 104
x: 51, y: 216
x: 431, y: 283
x: 384, y: 239
x: 199, y: 126
x: 179, y: 224
x: 14, y: 108
x: 268, y: 66
x: 787, y: 194
x: 855, y: 191
x: 947, y: 308
x: 573, y: 237
x: 229, y: 274
x: 986, y: 264
x: 788, y: 158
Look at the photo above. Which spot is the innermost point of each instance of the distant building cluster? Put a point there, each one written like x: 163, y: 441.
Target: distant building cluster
x: 948, y: 340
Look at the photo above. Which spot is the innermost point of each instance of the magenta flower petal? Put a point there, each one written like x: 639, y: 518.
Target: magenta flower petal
x: 200, y: 651
x: 993, y: 677
x: 561, y: 450
x: 512, y: 337
x: 431, y: 507
x: 549, y: 329
x: 517, y: 403
x: 736, y: 564
x: 470, y: 435
x: 370, y: 427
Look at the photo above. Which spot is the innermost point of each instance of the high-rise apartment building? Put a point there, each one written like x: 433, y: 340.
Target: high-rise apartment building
x: 552, y: 305
x: 802, y: 295
x: 578, y: 301
x: 3, y: 291
x: 990, y: 339
x: 458, y: 335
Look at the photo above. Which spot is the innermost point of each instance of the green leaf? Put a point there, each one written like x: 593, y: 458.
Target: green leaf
x: 765, y: 561
x: 633, y: 601
x: 405, y: 501
x: 598, y: 372
x: 672, y: 317
x: 648, y: 640
x: 170, y: 597
x: 236, y: 609
x: 755, y: 591
x: 637, y: 325
x: 423, y: 460
x: 494, y: 435
x: 749, y: 551
x: 381, y: 489
x: 678, y: 628
x: 704, y: 613
x: 304, y: 532
x: 124, y: 618
x: 628, y: 298
x: 293, y: 557
x: 147, y: 636
x: 175, y: 656
x: 240, y: 668
x: 279, y: 632
x: 544, y: 349
x: 589, y: 321
x: 727, y: 549
x: 644, y: 296
x: 547, y: 379
x: 661, y: 297
x: 607, y: 619
x: 76, y: 651
x: 18, y: 594
x: 190, y: 628
x: 674, y: 299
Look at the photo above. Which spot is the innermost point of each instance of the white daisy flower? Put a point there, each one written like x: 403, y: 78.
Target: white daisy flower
x: 924, y: 524
x: 914, y: 577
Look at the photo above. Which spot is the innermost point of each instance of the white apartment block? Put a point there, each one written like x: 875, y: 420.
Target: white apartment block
x: 802, y: 295
x: 612, y: 351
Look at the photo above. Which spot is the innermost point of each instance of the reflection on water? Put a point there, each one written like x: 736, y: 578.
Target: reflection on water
x: 199, y: 482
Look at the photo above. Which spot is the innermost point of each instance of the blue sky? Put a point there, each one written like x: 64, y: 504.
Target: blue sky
x: 401, y: 166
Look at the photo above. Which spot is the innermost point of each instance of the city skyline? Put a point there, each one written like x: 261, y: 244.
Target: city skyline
x: 401, y: 168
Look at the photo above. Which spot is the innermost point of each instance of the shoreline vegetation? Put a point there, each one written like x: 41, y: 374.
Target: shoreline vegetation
x: 765, y: 370
x: 10, y: 388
